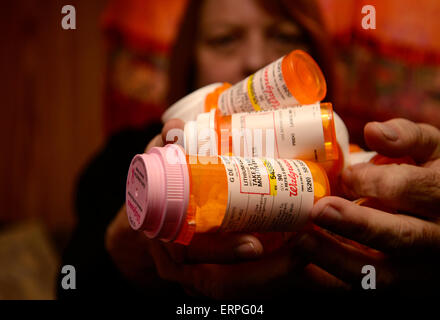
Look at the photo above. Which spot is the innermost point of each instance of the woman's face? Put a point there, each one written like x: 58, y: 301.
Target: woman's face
x: 237, y: 38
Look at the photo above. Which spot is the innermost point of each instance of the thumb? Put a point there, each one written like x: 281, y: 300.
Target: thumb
x: 217, y: 248
x: 401, y: 137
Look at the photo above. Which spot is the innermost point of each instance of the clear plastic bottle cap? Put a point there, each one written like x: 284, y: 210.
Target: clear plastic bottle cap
x: 343, y: 138
x: 190, y: 106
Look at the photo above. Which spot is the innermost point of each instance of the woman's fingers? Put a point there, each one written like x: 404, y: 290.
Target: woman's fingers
x: 341, y: 258
x: 401, y: 137
x: 400, y: 235
x: 253, y: 279
x: 172, y: 131
x: 405, y: 187
x: 217, y: 248
x: 408, y: 247
x: 155, y: 142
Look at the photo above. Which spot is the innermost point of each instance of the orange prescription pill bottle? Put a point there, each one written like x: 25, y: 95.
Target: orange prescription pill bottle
x: 291, y: 80
x: 171, y: 199
x: 301, y: 132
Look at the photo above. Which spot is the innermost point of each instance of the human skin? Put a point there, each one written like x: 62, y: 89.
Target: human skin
x: 237, y: 38
x: 405, y: 243
x: 402, y: 243
x: 229, y: 266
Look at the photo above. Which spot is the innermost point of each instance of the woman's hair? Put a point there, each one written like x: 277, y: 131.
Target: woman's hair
x: 305, y: 13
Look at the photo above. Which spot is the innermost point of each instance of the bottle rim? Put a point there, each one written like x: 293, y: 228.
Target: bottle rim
x: 157, y: 192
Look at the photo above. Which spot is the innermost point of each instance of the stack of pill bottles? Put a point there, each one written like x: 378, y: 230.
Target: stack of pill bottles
x: 219, y: 180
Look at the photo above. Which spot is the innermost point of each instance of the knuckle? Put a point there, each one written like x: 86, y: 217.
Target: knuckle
x: 436, y: 187
x: 366, y: 182
x: 429, y: 237
x: 391, y: 184
x: 431, y: 135
x: 430, y: 182
x: 422, y: 186
x: 427, y: 136
x: 383, y: 182
x: 404, y: 236
x: 359, y: 223
x: 410, y: 132
x: 416, y: 134
x: 366, y: 229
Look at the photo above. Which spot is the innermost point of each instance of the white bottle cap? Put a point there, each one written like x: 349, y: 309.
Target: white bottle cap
x: 343, y: 138
x: 207, y: 136
x: 361, y: 156
x: 191, y: 105
x: 200, y: 136
x: 190, y: 138
x: 350, y: 158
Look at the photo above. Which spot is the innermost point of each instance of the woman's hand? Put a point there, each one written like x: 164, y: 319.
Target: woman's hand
x: 219, y: 266
x: 415, y: 189
x: 405, y: 246
x: 148, y: 262
x: 129, y: 251
x: 203, y: 267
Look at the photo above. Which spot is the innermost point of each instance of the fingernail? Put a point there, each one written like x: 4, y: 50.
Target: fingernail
x: 246, y: 250
x: 388, y: 132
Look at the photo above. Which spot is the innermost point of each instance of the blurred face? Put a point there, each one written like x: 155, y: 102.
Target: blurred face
x: 237, y: 38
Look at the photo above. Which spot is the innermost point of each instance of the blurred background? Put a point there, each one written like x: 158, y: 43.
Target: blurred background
x: 50, y: 124
x: 65, y: 92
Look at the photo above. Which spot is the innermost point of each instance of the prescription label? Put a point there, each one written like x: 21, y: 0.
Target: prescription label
x: 267, y: 194
x: 264, y: 90
x: 290, y: 133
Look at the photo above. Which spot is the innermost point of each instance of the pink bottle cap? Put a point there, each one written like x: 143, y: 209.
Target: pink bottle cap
x: 157, y: 192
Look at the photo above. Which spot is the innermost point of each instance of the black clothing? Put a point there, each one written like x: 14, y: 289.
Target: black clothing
x: 100, y: 195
